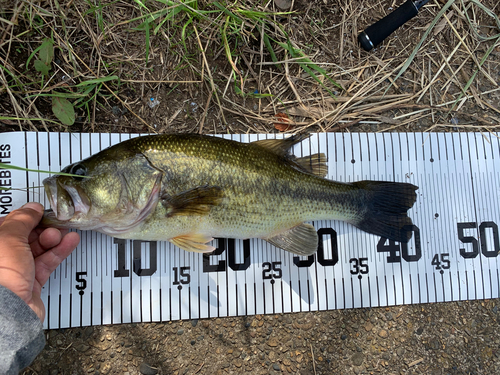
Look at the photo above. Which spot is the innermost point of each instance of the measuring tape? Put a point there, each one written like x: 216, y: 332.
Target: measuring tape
x: 453, y: 253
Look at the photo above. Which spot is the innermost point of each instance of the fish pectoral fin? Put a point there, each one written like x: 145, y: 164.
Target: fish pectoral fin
x: 281, y: 146
x: 300, y: 240
x: 193, y: 242
x: 197, y: 201
x: 315, y: 164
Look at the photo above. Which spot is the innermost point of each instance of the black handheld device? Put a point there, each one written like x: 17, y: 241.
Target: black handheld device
x: 376, y: 33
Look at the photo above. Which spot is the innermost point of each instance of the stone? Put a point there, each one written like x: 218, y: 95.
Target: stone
x: 383, y: 333
x: 357, y: 359
x: 81, y: 347
x: 435, y: 344
x: 146, y: 369
x: 272, y: 342
x: 106, y: 369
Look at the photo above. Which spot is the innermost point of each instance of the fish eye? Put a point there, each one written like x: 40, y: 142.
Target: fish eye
x: 80, y: 170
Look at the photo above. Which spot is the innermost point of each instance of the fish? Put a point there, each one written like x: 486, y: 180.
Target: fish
x: 189, y: 189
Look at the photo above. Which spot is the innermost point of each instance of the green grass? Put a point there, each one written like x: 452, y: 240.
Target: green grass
x: 14, y: 167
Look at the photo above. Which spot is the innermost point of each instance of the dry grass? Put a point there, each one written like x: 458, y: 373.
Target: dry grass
x: 221, y: 67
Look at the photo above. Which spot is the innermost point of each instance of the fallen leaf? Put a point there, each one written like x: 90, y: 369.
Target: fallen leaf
x: 63, y: 110
x: 388, y: 120
x: 283, y: 4
x: 41, y: 67
x: 284, y: 122
x: 442, y: 24
x: 47, y: 51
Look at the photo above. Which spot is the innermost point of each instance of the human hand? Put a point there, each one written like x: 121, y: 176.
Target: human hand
x: 28, y: 255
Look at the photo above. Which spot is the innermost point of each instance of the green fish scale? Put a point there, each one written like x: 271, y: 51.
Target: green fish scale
x: 264, y: 193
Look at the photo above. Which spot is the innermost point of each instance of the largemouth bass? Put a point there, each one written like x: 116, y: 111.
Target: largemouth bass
x: 187, y: 189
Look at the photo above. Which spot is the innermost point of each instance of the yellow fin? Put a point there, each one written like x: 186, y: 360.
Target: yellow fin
x: 315, y: 164
x: 193, y: 242
x: 300, y: 240
x: 197, y: 201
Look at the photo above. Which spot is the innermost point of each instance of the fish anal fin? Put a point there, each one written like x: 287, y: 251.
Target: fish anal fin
x: 301, y: 240
x: 315, y: 164
x: 197, y: 201
x: 281, y: 146
x: 193, y: 242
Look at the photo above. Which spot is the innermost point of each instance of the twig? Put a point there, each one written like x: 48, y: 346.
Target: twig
x: 199, y: 368
x: 314, y: 362
x: 211, y: 80
x: 205, y: 112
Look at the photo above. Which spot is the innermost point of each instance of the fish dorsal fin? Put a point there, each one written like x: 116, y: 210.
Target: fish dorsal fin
x: 196, y: 201
x: 281, y: 146
x: 315, y: 164
x: 193, y: 242
x: 300, y: 240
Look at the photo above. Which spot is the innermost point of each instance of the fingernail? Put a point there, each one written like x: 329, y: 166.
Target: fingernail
x: 34, y: 206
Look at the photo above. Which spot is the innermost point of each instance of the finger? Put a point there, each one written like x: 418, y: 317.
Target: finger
x: 38, y: 230
x: 46, y: 263
x: 21, y: 222
x: 47, y: 239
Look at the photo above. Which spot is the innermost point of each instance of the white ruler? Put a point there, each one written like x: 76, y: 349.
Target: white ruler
x: 453, y: 254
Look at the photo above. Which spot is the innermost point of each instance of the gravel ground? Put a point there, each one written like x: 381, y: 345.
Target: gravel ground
x: 441, y: 338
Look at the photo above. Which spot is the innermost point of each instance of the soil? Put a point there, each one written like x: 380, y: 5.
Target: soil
x: 443, y: 338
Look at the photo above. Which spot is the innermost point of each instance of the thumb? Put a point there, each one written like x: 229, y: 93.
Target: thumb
x: 19, y: 223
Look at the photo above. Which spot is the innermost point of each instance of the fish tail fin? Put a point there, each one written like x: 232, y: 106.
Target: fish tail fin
x: 385, y: 210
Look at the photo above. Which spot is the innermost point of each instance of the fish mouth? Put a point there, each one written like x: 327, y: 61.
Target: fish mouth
x: 66, y: 202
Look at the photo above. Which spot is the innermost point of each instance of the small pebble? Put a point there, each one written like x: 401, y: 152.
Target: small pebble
x: 146, y: 369
x: 273, y: 342
x: 357, y: 359
x: 383, y: 333
x: 435, y: 344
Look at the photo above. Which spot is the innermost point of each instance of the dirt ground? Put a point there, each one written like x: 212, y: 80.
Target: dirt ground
x: 188, y: 71
x: 442, y: 338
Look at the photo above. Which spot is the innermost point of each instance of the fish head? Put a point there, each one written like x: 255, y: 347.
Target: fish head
x: 111, y: 192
